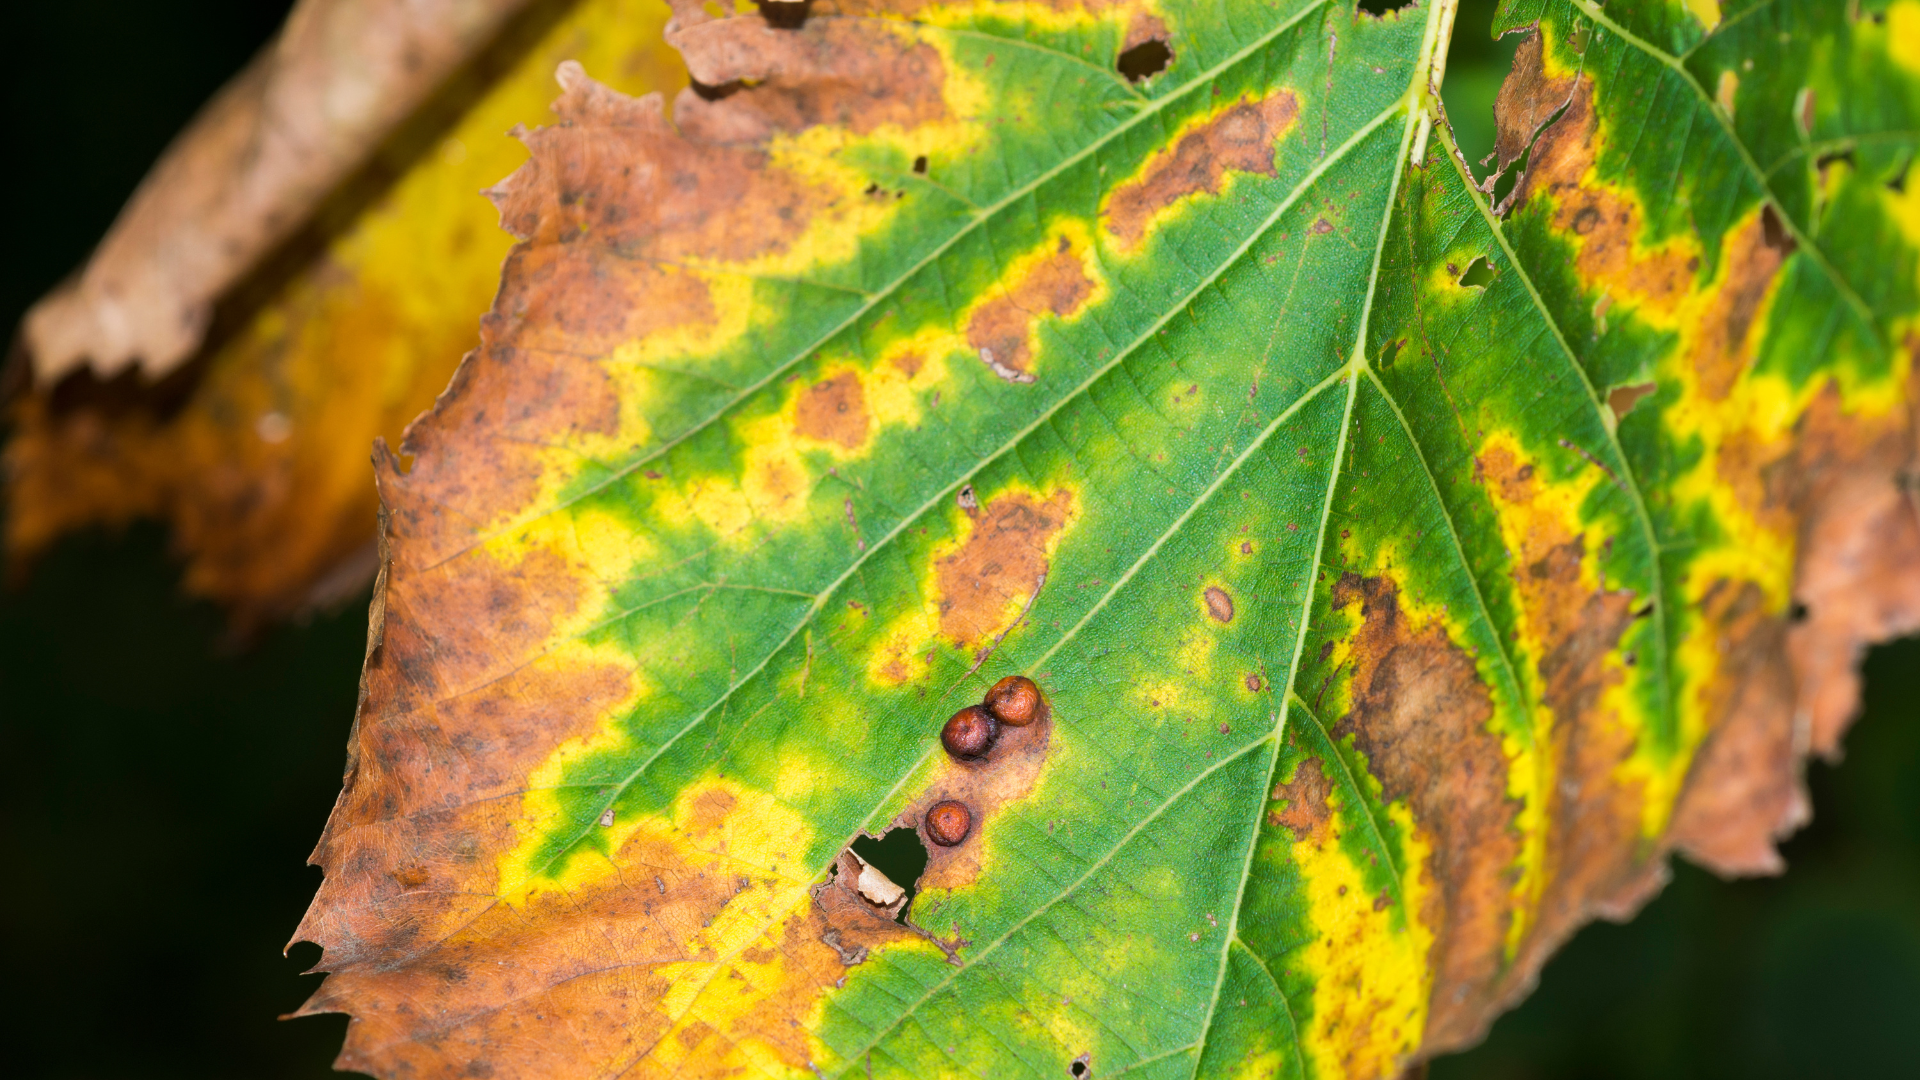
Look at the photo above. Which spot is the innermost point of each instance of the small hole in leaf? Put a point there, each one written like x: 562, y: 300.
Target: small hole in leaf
x: 1377, y: 8
x: 1797, y: 613
x: 1081, y: 1067
x: 708, y: 92
x: 1388, y: 354
x: 1643, y: 610
x: 785, y: 14
x: 1479, y: 274
x: 1503, y: 187
x: 1825, y: 160
x: 1145, y: 60
x: 901, y: 856
x: 1897, y: 183
x: 920, y: 165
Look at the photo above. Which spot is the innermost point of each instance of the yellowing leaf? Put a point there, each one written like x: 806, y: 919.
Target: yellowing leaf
x: 1404, y: 580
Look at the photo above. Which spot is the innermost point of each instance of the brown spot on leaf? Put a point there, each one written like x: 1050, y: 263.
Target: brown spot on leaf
x: 1725, y: 346
x: 1002, y: 328
x: 1002, y: 561
x: 1219, y: 604
x: 1622, y: 399
x: 834, y: 411
x: 848, y: 914
x: 1239, y: 139
x: 1305, y: 798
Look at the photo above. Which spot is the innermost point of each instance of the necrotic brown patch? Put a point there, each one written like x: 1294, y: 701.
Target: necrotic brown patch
x: 834, y: 411
x: 1002, y: 329
x: 1240, y: 139
x: 1528, y: 99
x: 1003, y: 560
x: 1419, y: 714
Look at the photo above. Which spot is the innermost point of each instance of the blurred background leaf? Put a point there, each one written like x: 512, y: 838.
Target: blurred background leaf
x: 165, y: 791
x: 255, y: 451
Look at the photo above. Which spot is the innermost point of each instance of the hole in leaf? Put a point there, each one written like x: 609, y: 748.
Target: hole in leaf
x: 1479, y: 274
x: 1503, y: 187
x: 901, y: 856
x: 920, y: 165
x: 1145, y: 60
x: 1622, y: 399
x: 785, y: 14
x: 1378, y: 8
x: 1582, y: 37
x: 1081, y: 1067
x: 1643, y: 610
x: 708, y: 92
x: 1797, y: 613
x: 1897, y: 183
x: 1388, y: 354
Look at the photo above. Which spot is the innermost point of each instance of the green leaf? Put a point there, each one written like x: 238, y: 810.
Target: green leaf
x: 1403, y: 580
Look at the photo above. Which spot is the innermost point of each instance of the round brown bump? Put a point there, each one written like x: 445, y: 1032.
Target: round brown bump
x: 970, y: 732
x: 1014, y: 700
x: 948, y: 823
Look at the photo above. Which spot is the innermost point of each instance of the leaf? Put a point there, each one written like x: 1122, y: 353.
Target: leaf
x: 257, y: 452
x: 1388, y: 631
x: 267, y: 148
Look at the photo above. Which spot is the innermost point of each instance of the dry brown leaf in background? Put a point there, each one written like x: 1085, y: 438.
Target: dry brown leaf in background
x: 270, y: 145
x: 257, y: 452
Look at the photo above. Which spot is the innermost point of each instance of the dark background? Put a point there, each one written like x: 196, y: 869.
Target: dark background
x: 162, y: 790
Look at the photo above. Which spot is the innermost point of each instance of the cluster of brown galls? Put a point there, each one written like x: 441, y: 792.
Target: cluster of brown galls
x: 1014, y: 701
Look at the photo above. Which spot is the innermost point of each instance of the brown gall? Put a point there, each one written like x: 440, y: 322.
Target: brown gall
x: 1014, y: 700
x: 970, y: 732
x: 948, y: 823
